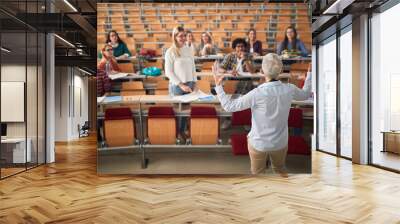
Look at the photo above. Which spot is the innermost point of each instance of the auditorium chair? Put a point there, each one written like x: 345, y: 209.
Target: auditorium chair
x: 117, y: 119
x: 162, y: 87
x: 132, y: 88
x: 296, y: 142
x: 161, y: 125
x: 204, y: 86
x: 126, y: 67
x: 239, y: 140
x: 230, y: 86
x: 204, y: 125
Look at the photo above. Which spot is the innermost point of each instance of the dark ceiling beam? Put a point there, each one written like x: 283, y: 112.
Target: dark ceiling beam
x: 91, y: 5
x: 16, y: 19
x: 86, y: 26
x: 191, y: 1
x: 78, y: 61
x: 49, y: 22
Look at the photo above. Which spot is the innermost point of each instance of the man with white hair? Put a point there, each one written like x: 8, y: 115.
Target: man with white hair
x: 270, y: 104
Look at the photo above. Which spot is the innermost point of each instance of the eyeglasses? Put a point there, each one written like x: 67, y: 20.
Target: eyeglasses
x: 110, y: 49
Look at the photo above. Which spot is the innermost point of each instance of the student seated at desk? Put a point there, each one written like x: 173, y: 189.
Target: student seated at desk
x: 206, y: 46
x: 180, y: 68
x: 121, y: 51
x: 291, y: 45
x: 254, y: 46
x: 270, y: 104
x: 191, y: 42
x: 107, y: 65
x: 236, y: 62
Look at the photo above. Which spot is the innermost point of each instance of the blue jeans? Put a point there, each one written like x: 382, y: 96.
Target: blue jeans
x: 175, y: 90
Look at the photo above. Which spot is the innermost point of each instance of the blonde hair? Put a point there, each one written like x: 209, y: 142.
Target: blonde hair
x: 272, y: 65
x: 175, y: 32
x: 209, y: 37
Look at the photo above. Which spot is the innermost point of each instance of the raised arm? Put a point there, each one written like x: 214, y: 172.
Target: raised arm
x: 305, y: 93
x: 232, y: 105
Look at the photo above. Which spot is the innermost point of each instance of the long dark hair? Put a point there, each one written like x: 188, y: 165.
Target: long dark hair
x: 119, y: 39
x: 286, y: 40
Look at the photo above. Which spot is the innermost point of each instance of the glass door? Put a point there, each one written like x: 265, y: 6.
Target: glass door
x: 326, y: 96
x: 346, y: 92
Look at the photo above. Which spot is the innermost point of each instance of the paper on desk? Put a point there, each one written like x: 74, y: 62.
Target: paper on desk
x: 118, y: 75
x: 186, y: 98
x: 100, y: 99
x: 110, y: 99
x: 198, y: 95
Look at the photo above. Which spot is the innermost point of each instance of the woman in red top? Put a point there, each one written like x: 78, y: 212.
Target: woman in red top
x: 107, y: 65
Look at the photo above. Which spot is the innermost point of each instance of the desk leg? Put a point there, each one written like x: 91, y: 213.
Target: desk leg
x: 384, y: 142
x: 145, y: 161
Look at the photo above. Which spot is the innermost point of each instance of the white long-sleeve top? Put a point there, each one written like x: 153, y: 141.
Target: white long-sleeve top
x: 180, y: 69
x: 192, y: 47
x: 270, y: 104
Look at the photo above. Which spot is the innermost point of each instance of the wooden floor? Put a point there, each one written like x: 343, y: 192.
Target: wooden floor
x: 69, y: 191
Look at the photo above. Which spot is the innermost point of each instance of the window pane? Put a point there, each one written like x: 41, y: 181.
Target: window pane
x: 346, y: 94
x: 327, y: 97
x: 385, y: 83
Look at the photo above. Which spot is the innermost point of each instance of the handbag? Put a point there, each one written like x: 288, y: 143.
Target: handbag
x: 151, y: 71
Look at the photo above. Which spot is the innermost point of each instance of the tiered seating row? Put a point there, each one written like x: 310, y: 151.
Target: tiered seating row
x: 149, y: 25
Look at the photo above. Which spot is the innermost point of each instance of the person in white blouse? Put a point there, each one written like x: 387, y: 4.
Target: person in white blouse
x: 270, y: 104
x: 180, y: 69
x: 179, y: 64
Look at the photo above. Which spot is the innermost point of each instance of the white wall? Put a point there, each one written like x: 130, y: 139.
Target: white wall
x: 33, y: 127
x: 61, y: 103
x: 70, y: 84
x: 14, y: 73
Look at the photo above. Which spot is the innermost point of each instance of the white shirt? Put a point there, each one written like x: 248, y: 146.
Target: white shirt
x: 239, y: 66
x: 270, y: 104
x: 180, y: 69
x: 192, y: 47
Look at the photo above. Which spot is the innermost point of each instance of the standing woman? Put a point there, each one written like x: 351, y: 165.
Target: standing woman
x: 180, y: 68
x: 291, y: 43
x: 254, y: 45
x: 207, y: 47
x: 190, y: 42
x: 120, y: 49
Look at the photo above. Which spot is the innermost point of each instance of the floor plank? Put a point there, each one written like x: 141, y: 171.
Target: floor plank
x: 70, y: 191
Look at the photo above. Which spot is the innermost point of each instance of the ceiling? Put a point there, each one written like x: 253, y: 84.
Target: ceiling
x: 328, y: 13
x: 76, y: 24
